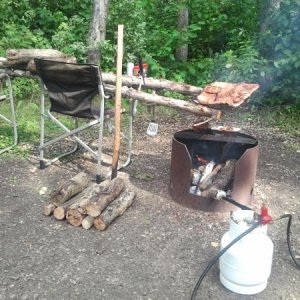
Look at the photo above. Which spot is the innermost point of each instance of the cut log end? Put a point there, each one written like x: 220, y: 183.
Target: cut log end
x: 59, y: 213
x: 87, y: 222
x: 48, y: 209
x: 74, y: 217
x: 100, y: 224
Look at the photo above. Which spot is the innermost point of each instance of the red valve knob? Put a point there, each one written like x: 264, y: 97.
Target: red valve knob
x: 265, y: 217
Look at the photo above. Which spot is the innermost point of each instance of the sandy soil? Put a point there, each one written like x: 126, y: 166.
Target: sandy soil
x: 158, y: 248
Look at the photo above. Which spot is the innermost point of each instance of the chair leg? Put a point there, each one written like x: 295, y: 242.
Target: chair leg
x: 100, y: 137
x: 129, y: 136
x: 12, y: 121
x: 44, y: 162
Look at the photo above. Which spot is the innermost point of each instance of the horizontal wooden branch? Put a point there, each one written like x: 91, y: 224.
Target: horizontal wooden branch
x: 152, y: 83
x: 166, y: 101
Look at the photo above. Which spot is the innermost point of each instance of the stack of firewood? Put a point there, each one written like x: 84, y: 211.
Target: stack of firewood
x: 87, y: 204
x: 211, y: 177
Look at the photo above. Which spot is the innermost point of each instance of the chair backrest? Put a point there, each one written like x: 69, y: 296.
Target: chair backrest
x: 71, y: 87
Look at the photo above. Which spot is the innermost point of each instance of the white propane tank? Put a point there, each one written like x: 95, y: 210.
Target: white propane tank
x: 246, y: 266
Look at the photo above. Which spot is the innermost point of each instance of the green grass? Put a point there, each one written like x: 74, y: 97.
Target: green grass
x: 286, y: 118
x: 28, y: 121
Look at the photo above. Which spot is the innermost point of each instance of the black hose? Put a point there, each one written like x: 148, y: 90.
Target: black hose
x: 234, y: 202
x: 288, y: 238
x: 213, y: 261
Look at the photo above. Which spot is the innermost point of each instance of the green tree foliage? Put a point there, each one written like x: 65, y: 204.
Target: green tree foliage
x: 280, y: 46
x: 223, y: 38
x: 38, y: 24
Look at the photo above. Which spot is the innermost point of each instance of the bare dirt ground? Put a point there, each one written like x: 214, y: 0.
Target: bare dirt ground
x: 158, y: 248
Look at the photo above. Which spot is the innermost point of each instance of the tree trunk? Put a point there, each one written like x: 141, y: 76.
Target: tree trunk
x: 97, y: 30
x: 94, y: 208
x: 267, y: 7
x: 114, y: 210
x: 19, y: 58
x: 26, y: 55
x: 182, y: 25
x: 166, y: 101
x: 155, y: 84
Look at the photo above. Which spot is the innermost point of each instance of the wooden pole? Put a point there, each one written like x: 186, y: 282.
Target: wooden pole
x: 115, y: 158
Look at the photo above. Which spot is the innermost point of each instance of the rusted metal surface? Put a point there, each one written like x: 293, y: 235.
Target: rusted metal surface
x: 185, y: 145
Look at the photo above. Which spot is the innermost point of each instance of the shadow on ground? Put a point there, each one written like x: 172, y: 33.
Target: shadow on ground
x: 157, y: 249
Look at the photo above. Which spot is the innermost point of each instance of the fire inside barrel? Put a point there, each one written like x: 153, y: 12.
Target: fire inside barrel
x: 212, y: 160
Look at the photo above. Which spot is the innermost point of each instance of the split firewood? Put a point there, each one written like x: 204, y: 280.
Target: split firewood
x: 74, y: 217
x: 70, y: 188
x: 222, y: 179
x: 87, y: 222
x: 114, y: 210
x: 99, y: 203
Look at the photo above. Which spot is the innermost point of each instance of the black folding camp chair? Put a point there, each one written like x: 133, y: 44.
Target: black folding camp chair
x: 7, y: 94
x: 76, y: 90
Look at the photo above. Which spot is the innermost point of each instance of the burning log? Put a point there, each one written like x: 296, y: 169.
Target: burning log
x: 222, y: 179
x: 210, y: 177
x: 207, y: 170
x: 114, y: 210
x: 95, y: 207
x: 70, y: 188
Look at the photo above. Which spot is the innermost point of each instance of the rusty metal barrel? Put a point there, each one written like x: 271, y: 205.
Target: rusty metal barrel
x: 210, y: 143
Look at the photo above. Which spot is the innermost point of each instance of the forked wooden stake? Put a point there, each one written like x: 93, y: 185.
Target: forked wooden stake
x: 118, y: 103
